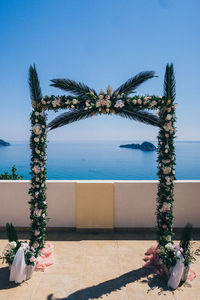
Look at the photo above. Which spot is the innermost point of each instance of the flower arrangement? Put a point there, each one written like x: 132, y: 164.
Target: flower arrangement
x: 13, y: 246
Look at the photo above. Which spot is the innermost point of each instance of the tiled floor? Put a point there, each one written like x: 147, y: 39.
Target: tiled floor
x: 96, y: 266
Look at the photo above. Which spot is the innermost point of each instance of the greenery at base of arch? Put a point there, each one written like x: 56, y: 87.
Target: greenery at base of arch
x: 84, y: 103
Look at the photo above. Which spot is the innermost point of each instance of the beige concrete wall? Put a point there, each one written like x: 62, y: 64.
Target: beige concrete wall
x: 61, y: 199
x: 135, y: 204
x: 99, y: 204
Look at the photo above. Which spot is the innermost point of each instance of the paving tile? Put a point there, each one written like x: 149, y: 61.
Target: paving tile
x: 97, y: 266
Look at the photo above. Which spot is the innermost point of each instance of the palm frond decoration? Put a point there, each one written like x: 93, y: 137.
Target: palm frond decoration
x: 11, y: 233
x: 141, y: 116
x: 70, y: 117
x: 169, y: 89
x: 77, y: 88
x: 34, y: 85
x: 76, y: 115
x: 131, y: 84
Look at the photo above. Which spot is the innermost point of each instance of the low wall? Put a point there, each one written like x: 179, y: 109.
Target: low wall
x: 99, y: 204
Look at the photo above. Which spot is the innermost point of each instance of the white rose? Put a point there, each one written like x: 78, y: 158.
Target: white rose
x: 139, y: 101
x: 134, y: 101
x: 37, y: 129
x: 54, y: 103
x: 36, y: 140
x: 13, y: 244
x: 169, y: 246
x: 119, y: 103
x: 168, y: 117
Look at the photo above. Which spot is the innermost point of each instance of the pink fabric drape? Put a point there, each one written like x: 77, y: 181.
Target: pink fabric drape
x: 45, y: 258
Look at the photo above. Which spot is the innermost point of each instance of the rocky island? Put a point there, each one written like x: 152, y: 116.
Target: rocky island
x: 145, y: 146
x: 3, y: 143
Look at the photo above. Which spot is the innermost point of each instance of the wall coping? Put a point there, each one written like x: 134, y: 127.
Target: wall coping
x: 100, y: 181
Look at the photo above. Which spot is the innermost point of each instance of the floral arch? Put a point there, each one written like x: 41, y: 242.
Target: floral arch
x: 84, y: 103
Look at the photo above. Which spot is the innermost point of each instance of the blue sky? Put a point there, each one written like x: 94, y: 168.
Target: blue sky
x: 98, y: 42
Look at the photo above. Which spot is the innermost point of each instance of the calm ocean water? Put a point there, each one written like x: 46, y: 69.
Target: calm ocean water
x: 101, y: 160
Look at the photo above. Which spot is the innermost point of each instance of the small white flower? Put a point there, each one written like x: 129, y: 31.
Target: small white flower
x: 139, y: 101
x: 119, y: 104
x: 169, y: 246
x: 37, y: 113
x: 134, y: 101
x: 54, y: 103
x: 13, y: 245
x: 36, y: 140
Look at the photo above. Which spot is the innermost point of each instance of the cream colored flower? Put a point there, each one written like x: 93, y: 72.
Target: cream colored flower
x: 37, y: 129
x: 36, y: 140
x: 74, y: 101
x: 13, y: 245
x: 168, y: 117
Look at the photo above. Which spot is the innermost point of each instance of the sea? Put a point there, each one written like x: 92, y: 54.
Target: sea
x: 101, y: 160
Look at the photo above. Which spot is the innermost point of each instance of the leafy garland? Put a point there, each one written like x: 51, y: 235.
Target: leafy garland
x: 38, y: 204
x: 88, y: 103
x: 166, y: 171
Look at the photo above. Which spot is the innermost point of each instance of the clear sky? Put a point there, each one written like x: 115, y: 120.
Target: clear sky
x: 98, y: 42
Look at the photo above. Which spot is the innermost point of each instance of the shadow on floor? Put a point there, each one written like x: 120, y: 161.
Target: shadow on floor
x: 109, y: 286
x: 5, y: 284
x: 73, y: 235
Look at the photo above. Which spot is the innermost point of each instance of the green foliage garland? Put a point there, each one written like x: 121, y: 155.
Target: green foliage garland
x: 166, y: 171
x: 38, y: 204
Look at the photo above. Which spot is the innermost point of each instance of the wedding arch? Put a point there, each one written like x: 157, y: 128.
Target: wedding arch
x: 85, y: 102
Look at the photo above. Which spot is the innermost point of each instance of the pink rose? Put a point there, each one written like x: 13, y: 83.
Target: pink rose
x: 108, y: 97
x: 32, y: 259
x: 169, y: 109
x: 167, y: 135
x: 164, y: 226
x: 103, y: 102
x: 44, y: 102
x: 36, y: 245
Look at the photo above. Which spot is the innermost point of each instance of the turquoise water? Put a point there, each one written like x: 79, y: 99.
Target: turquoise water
x: 101, y: 160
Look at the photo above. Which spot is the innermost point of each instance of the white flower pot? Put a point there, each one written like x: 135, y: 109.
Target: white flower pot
x: 29, y: 271
x: 185, y: 274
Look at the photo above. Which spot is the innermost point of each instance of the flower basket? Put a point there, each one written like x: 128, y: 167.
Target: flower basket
x: 185, y: 274
x: 28, y: 271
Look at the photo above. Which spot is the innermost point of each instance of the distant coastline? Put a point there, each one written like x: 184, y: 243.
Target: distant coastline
x: 4, y: 143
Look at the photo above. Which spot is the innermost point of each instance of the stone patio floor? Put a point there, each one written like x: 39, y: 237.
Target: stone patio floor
x: 96, y: 266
